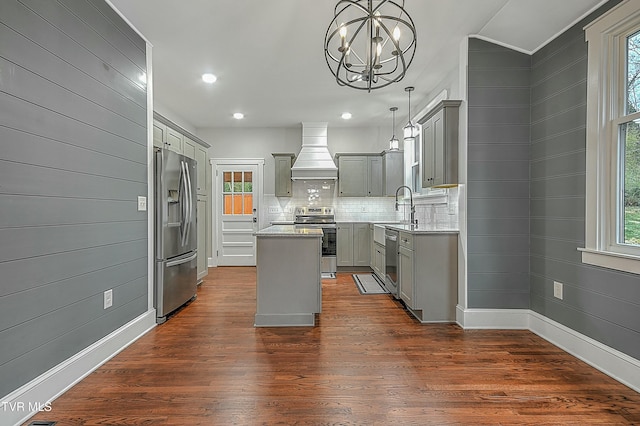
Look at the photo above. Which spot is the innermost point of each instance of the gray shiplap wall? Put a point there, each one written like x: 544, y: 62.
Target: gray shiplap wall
x: 498, y: 176
x: 600, y: 303
x: 73, y: 159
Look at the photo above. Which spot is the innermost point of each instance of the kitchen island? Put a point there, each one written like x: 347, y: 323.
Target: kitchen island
x: 288, y: 288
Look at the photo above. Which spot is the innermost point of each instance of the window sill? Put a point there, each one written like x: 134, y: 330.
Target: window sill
x: 611, y: 260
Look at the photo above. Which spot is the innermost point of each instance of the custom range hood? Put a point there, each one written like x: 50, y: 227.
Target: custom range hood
x: 314, y: 160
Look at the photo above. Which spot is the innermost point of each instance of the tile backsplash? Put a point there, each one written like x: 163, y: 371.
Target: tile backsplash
x: 440, y: 208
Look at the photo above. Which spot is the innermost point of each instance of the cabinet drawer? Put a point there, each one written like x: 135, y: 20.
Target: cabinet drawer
x: 406, y: 240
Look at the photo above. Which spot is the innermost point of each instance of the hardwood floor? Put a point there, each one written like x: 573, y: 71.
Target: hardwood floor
x: 367, y: 362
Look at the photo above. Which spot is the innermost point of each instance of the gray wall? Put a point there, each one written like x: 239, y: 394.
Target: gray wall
x: 73, y: 159
x: 600, y: 303
x: 498, y: 177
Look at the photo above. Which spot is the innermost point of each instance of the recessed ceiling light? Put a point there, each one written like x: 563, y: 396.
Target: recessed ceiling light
x: 346, y: 115
x: 209, y: 78
x: 238, y: 115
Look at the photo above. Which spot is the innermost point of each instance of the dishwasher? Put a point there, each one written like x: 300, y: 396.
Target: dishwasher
x: 391, y: 261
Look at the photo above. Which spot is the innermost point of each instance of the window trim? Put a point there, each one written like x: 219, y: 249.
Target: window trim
x: 605, y: 37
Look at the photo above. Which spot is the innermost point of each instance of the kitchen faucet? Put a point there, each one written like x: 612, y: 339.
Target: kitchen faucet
x: 413, y: 208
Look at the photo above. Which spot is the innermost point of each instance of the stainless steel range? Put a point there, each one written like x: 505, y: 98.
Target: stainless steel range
x: 321, y: 217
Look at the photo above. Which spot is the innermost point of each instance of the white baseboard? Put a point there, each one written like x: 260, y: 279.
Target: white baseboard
x: 37, y: 395
x: 513, y: 319
x: 611, y: 362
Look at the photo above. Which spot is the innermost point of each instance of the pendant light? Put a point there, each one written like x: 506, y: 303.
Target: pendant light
x: 410, y: 130
x: 394, y: 144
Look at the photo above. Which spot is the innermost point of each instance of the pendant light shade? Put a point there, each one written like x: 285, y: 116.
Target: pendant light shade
x: 394, y: 144
x: 410, y: 130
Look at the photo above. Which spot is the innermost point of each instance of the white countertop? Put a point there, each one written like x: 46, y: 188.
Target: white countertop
x: 422, y: 228
x: 289, y: 231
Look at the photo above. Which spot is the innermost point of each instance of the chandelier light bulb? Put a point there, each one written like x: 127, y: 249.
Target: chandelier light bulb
x: 343, y: 38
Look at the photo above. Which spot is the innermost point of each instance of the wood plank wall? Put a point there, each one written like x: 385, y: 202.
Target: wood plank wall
x: 498, y: 176
x: 73, y: 159
x: 600, y: 303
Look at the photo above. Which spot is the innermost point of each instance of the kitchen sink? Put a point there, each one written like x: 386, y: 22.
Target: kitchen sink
x: 378, y: 234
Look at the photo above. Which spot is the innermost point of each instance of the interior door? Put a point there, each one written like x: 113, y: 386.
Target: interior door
x: 237, y: 213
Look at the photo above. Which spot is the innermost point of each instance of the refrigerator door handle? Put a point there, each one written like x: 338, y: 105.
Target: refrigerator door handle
x: 181, y: 261
x: 185, y: 204
x: 189, y: 202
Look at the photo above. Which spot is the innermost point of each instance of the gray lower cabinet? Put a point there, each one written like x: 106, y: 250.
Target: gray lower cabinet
x: 440, y: 144
x: 361, y: 244
x: 283, y: 163
x: 428, y: 275
x: 406, y: 268
x: 378, y: 258
x: 288, y: 285
x: 344, y: 244
x: 353, y: 244
x: 201, y: 219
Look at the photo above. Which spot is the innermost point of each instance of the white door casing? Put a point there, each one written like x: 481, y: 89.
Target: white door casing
x: 237, y: 197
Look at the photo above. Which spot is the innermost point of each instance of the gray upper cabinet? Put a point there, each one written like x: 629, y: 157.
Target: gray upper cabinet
x: 374, y: 176
x: 353, y: 175
x: 202, y: 157
x: 440, y: 144
x: 392, y: 171
x: 369, y: 175
x: 189, y: 148
x: 175, y: 140
x: 283, y: 164
x: 159, y: 134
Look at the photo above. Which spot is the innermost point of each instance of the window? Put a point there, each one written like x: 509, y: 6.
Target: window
x: 628, y: 223
x: 412, y: 161
x: 237, y: 193
x: 613, y: 140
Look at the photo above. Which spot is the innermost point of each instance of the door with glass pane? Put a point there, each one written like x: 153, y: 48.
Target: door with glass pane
x: 236, y: 189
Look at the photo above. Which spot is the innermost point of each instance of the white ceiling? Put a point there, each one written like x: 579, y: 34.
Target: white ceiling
x: 269, y: 59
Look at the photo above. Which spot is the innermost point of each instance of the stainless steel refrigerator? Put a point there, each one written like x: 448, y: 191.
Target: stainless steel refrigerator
x: 175, y: 232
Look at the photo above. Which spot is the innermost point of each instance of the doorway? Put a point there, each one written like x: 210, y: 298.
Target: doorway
x: 237, y: 195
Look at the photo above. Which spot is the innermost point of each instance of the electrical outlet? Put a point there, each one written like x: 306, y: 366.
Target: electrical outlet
x: 108, y: 298
x: 364, y: 209
x: 557, y: 290
x: 142, y: 204
x: 274, y: 210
